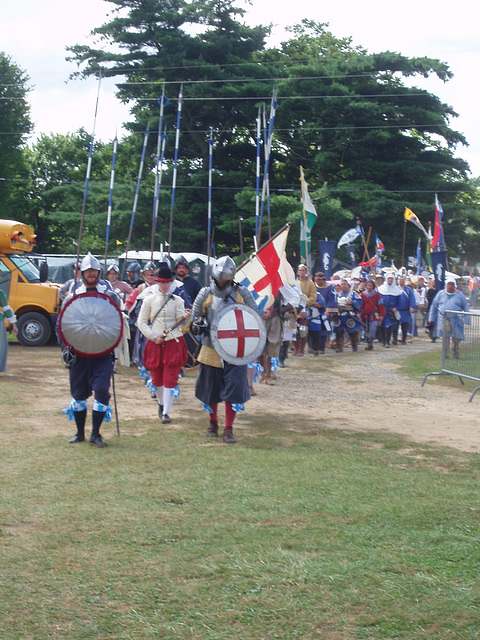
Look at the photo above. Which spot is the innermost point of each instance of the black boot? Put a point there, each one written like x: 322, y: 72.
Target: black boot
x: 228, y: 436
x: 80, y: 417
x: 212, y: 431
x: 97, y: 419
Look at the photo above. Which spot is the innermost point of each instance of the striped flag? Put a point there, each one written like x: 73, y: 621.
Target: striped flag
x: 438, y: 239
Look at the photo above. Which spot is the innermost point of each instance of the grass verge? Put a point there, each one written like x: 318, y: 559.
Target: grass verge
x: 304, y: 533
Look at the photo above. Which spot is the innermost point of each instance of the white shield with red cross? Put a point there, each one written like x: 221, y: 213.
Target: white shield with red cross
x: 238, y: 334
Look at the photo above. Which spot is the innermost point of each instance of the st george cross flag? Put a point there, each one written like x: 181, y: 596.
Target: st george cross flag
x: 266, y: 271
x: 411, y: 217
x: 438, y: 239
x: 349, y: 236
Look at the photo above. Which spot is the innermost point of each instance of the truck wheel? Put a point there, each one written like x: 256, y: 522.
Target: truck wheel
x: 34, y: 330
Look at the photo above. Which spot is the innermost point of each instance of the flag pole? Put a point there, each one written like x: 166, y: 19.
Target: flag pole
x: 209, y: 207
x: 365, y: 248
x: 268, y: 149
x: 137, y: 191
x: 162, y: 101
x: 110, y: 199
x: 175, y: 166
x: 404, y: 235
x: 89, y: 168
x: 257, y: 177
x: 275, y: 235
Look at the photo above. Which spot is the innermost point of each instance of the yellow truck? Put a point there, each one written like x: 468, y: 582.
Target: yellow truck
x: 34, y: 300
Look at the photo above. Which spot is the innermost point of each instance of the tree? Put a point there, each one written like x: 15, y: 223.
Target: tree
x: 58, y: 165
x: 369, y: 143
x: 378, y: 144
x: 15, y: 125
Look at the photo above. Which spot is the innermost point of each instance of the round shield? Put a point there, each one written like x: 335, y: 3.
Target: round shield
x: 238, y: 334
x: 91, y: 324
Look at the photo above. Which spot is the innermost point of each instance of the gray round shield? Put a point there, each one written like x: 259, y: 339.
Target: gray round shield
x: 91, y: 324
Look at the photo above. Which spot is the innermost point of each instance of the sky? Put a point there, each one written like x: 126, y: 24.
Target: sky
x: 34, y: 34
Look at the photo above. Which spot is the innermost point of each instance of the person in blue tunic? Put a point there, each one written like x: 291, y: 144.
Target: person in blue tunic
x: 449, y: 300
x: 319, y: 326
x: 406, y: 305
x: 390, y: 293
x: 346, y: 319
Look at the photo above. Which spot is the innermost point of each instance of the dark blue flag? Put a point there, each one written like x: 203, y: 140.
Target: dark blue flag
x: 439, y: 266
x: 350, y: 249
x: 327, y: 249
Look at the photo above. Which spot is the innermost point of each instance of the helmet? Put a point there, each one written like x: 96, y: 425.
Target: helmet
x: 224, y: 269
x: 222, y: 274
x: 68, y: 357
x: 133, y: 266
x: 181, y: 260
x: 90, y: 262
x: 113, y: 267
x: 149, y: 266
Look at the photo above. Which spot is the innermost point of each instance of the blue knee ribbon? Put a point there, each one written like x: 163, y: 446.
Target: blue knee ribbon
x: 74, y: 406
x: 238, y: 407
x: 207, y: 407
x: 143, y: 372
x: 103, y: 408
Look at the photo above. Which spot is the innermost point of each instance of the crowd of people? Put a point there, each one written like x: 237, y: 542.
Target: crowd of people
x: 306, y: 318
x: 384, y: 308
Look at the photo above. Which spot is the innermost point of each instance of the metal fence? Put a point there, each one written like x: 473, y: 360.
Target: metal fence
x: 460, y: 347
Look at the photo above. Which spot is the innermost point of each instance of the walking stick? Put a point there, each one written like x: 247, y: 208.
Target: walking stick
x: 115, y: 397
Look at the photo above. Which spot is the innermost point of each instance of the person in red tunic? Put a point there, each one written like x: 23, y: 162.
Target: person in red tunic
x: 161, y: 319
x: 372, y: 312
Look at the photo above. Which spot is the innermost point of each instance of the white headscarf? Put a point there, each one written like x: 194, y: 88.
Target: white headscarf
x: 386, y: 289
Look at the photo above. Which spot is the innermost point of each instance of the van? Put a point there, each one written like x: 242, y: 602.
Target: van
x: 34, y: 301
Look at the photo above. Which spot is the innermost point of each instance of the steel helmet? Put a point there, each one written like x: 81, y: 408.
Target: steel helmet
x: 224, y: 269
x: 113, y: 267
x: 134, y: 267
x: 149, y: 266
x: 181, y: 260
x: 90, y: 262
x: 222, y: 274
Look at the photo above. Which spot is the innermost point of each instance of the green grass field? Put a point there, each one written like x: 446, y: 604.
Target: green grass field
x: 311, y: 534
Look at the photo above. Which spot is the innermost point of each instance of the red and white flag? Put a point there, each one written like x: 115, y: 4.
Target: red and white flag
x: 267, y: 270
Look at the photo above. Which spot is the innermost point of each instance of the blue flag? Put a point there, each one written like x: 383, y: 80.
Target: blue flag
x: 439, y: 266
x: 327, y: 249
x: 350, y: 249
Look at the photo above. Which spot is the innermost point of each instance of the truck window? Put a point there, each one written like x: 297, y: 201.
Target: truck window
x: 27, y: 268
x: 4, y: 278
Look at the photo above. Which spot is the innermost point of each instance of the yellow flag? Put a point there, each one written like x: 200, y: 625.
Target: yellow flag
x: 411, y: 217
x: 118, y: 242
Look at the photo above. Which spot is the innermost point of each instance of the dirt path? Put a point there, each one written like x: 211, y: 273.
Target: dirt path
x: 363, y: 391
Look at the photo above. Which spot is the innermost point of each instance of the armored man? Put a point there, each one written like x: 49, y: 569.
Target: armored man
x: 219, y: 380
x: 91, y: 326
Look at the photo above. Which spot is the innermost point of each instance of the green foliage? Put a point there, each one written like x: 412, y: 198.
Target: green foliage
x: 15, y: 125
x: 370, y: 145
